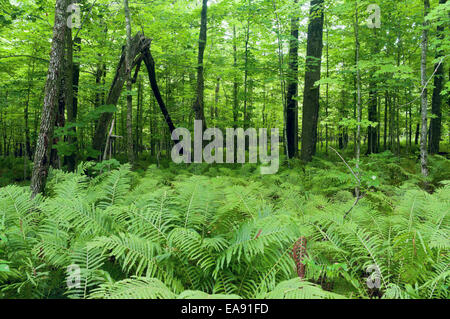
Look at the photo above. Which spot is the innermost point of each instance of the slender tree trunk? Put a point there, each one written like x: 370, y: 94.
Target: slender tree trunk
x: 68, y: 85
x: 385, y: 119
x: 424, y: 100
x: 247, y: 39
x: 60, y: 120
x: 128, y: 63
x: 436, y: 101
x: 358, y: 92
x: 312, y: 75
x: 379, y: 123
x: 26, y: 111
x: 235, y: 81
x: 372, y: 110
x: 216, y: 99
x: 292, y: 89
x: 55, y: 71
x: 327, y: 98
x: 150, y: 64
x: 199, y: 101
x: 138, y: 126
x: 72, y: 110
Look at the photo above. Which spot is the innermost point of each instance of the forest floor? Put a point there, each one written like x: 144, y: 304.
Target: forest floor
x: 177, y: 230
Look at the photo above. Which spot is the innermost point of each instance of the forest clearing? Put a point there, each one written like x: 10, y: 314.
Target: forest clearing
x: 224, y: 149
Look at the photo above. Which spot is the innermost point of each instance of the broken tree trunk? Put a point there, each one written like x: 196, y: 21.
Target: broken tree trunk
x: 137, y: 43
x: 150, y: 64
x: 140, y: 51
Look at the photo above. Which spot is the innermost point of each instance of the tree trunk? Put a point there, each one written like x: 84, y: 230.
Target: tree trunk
x: 26, y: 111
x: 68, y: 84
x: 358, y: 93
x: 55, y: 71
x: 312, y: 75
x: 138, y: 126
x: 235, y: 82
x: 372, y: 130
x: 72, y: 108
x: 199, y: 101
x: 128, y: 63
x: 150, y: 64
x: 373, y: 105
x: 424, y: 100
x: 436, y: 101
x: 327, y: 97
x: 104, y: 121
x: 292, y: 89
x: 216, y: 100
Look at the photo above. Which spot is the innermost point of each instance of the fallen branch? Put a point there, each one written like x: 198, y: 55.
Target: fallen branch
x: 358, y: 198
x: 359, y: 181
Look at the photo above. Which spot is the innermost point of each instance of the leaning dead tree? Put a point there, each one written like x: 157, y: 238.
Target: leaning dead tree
x: 120, y: 77
x: 150, y: 64
x: 139, y: 51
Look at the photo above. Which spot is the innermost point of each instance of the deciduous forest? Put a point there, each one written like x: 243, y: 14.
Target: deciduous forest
x: 93, y: 94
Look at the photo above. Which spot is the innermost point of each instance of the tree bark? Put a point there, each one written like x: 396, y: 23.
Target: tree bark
x: 312, y: 75
x: 235, y: 82
x: 292, y: 89
x: 26, y: 111
x: 216, y: 100
x: 373, y: 112
x: 436, y: 100
x: 72, y: 107
x: 150, y: 64
x: 424, y: 100
x: 128, y: 63
x: 199, y: 101
x: 104, y: 121
x: 52, y: 85
x: 358, y: 94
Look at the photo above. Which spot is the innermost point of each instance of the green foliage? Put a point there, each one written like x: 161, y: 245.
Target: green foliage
x: 225, y: 234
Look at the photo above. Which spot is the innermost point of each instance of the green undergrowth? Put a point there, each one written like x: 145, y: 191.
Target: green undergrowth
x: 219, y: 231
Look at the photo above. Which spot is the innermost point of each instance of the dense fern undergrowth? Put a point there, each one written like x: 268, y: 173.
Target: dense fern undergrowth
x: 204, y: 231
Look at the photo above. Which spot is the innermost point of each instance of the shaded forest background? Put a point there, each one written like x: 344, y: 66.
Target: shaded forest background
x: 251, y: 72
x: 92, y: 206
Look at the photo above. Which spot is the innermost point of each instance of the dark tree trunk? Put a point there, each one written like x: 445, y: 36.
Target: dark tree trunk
x: 150, y: 64
x: 436, y: 101
x: 246, y: 71
x: 292, y: 90
x: 235, y: 82
x: 416, y: 137
x: 215, y: 113
x: 312, y: 75
x: 55, y: 71
x: 199, y: 101
x: 60, y: 120
x: 128, y: 63
x: 424, y: 97
x: 26, y: 113
x: 99, y: 140
x: 99, y: 80
x: 385, y: 120
x: 372, y: 110
x: 373, y: 117
x: 72, y: 106
x: 138, y: 130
